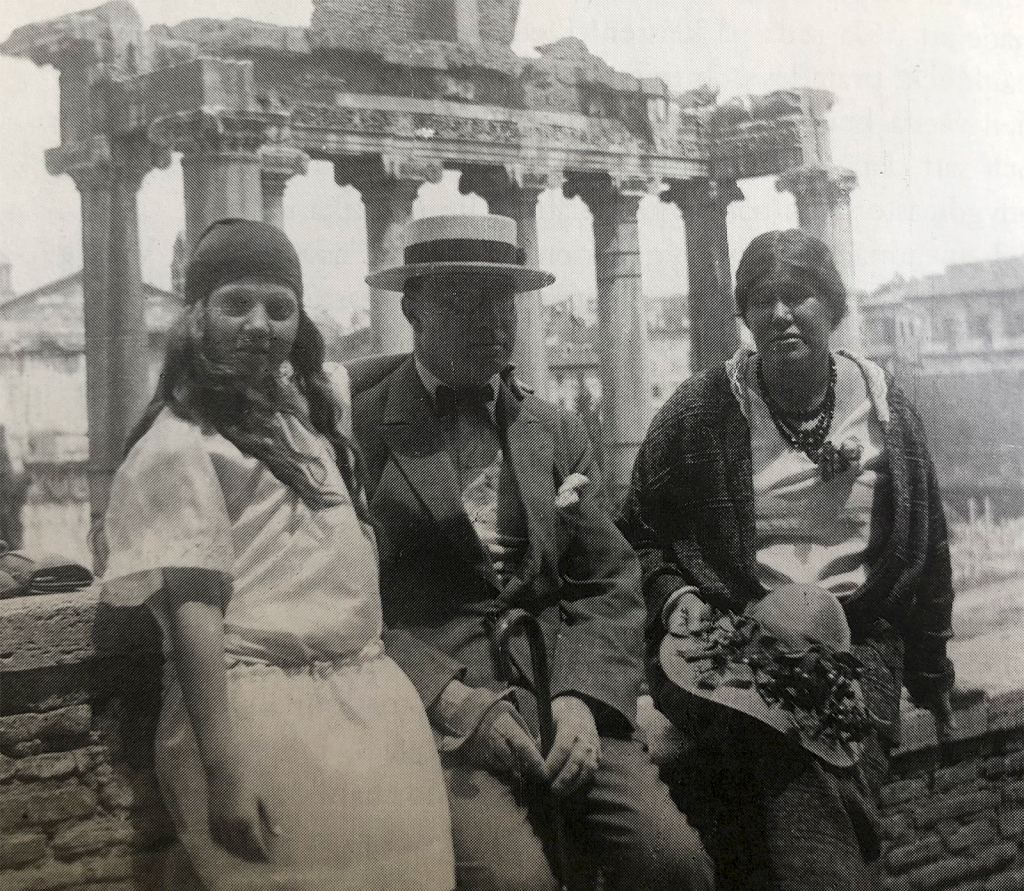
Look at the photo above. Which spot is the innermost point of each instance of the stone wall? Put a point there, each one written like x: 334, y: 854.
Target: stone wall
x: 958, y: 823
x: 79, y: 806
x: 351, y: 23
x: 79, y: 689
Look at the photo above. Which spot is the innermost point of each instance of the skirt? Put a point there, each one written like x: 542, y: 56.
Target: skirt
x: 346, y: 766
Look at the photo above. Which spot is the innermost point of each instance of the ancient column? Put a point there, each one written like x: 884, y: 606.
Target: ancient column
x: 108, y: 175
x: 388, y: 191
x: 221, y: 166
x: 278, y: 164
x: 822, y: 195
x: 622, y: 321
x: 518, y: 200
x: 714, y: 335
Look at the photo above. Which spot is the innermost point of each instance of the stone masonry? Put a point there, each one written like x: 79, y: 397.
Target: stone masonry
x: 79, y: 806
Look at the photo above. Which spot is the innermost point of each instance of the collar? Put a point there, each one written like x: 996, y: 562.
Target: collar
x: 740, y: 366
x: 431, y: 382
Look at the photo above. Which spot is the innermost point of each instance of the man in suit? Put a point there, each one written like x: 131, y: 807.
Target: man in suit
x: 488, y: 498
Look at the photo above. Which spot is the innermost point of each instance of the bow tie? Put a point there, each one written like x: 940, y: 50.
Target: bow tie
x: 448, y: 400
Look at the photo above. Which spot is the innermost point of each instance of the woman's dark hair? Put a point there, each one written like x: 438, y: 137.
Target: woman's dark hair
x: 197, y: 389
x: 791, y: 255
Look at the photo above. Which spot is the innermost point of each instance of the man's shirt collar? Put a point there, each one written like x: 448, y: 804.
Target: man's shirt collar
x: 431, y: 382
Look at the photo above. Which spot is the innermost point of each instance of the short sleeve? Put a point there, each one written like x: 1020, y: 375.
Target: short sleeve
x: 166, y: 510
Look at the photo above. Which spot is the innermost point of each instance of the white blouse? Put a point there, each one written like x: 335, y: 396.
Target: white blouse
x: 810, y: 530
x: 303, y: 580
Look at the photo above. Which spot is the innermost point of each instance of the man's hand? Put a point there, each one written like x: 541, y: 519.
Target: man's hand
x: 503, y: 744
x: 574, y: 756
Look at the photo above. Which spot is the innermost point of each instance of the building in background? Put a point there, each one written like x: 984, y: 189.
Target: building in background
x: 956, y: 342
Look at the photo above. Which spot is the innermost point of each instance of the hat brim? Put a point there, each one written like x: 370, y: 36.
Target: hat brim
x: 683, y: 673
x: 523, y: 278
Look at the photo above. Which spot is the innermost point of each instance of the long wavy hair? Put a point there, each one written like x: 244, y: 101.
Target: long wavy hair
x: 198, y: 388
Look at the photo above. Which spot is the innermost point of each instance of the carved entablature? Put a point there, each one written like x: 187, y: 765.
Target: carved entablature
x: 219, y: 132
x: 351, y: 85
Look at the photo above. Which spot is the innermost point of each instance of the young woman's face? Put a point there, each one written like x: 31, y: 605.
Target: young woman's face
x: 789, y: 321
x: 251, y: 325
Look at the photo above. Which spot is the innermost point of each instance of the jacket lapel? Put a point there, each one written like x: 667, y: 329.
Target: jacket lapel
x: 531, y: 451
x: 418, y: 445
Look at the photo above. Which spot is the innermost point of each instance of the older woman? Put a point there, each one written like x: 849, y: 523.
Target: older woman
x: 792, y: 466
x: 292, y: 753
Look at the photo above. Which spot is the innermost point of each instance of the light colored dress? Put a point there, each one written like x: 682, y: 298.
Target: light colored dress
x: 336, y: 736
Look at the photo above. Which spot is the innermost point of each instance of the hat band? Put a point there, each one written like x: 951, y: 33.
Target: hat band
x: 464, y: 250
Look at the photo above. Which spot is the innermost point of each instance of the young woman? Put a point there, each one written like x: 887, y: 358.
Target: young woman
x: 291, y: 752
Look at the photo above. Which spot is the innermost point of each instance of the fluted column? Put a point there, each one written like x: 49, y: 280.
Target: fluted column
x: 221, y: 166
x: 278, y: 164
x: 622, y: 321
x: 108, y: 176
x: 704, y: 203
x: 388, y: 191
x: 822, y: 195
x: 518, y: 199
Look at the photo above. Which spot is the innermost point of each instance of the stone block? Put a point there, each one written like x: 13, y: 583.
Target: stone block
x: 896, y: 826
x: 1007, y: 881
x: 91, y: 872
x: 1013, y: 792
x: 902, y: 791
x: 924, y: 850
x: 954, y: 806
x: 971, y: 837
x: 21, y: 849
x: 962, y: 774
x: 29, y: 807
x: 994, y: 767
x: 1011, y: 822
x: 997, y: 856
x: 8, y: 768
x: 1013, y: 763
x: 92, y: 836
x: 71, y: 723
x: 943, y: 873
x: 50, y: 766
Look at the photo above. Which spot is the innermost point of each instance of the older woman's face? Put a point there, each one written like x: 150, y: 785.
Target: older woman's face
x: 251, y: 325
x: 789, y: 321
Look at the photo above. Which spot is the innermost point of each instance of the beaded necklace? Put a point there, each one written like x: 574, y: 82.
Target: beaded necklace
x: 809, y: 440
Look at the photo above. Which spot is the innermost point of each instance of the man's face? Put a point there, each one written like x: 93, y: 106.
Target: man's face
x: 464, y: 326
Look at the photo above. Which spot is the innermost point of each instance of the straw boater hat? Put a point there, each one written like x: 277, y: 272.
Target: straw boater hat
x: 786, y: 662
x: 484, y: 244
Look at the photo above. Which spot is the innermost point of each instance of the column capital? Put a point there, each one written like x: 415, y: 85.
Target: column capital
x: 601, y: 189
x: 217, y: 133
x: 701, y: 195
x: 828, y: 181
x: 507, y: 184
x: 99, y: 162
x: 278, y: 160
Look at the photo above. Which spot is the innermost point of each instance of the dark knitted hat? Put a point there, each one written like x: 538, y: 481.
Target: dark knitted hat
x: 233, y: 249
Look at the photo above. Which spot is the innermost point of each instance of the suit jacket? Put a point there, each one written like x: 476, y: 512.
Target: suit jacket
x: 437, y: 582
x: 690, y: 515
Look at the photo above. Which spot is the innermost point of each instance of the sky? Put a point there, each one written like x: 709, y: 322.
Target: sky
x: 929, y: 114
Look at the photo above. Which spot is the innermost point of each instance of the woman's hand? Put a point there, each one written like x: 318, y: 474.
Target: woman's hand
x: 238, y: 819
